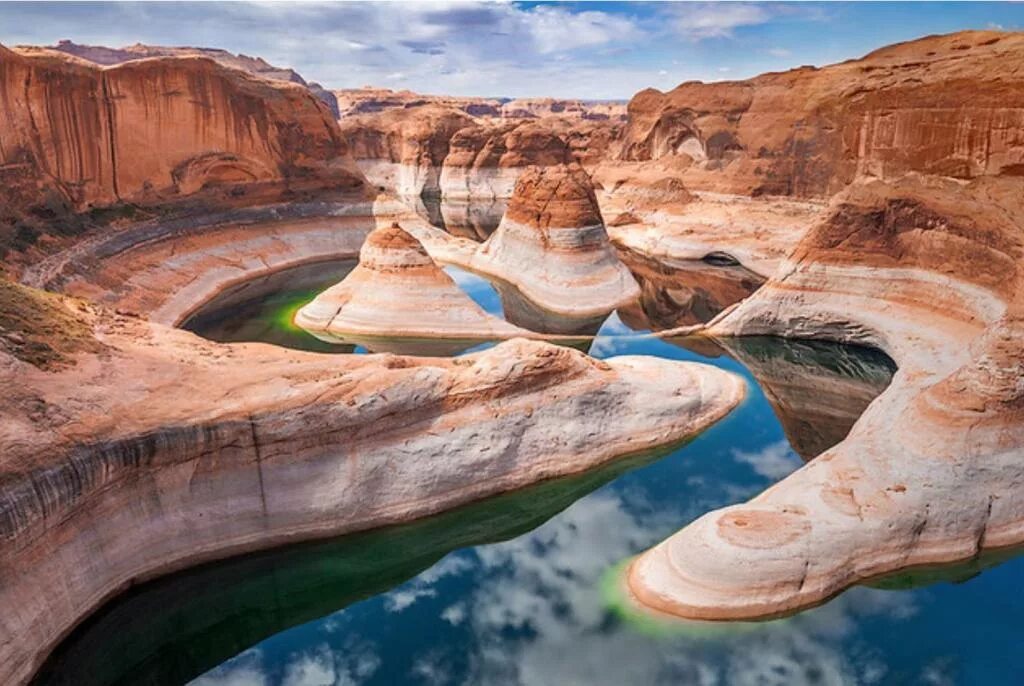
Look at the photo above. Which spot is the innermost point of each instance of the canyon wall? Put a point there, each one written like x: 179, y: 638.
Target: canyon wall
x: 928, y: 270
x: 439, y: 151
x: 948, y: 105
x: 367, y: 100
x: 254, y: 65
x: 131, y: 450
x: 78, y: 136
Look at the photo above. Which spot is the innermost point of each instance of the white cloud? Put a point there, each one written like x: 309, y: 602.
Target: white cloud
x: 698, y: 21
x: 774, y: 461
x: 556, y: 30
x: 780, y: 52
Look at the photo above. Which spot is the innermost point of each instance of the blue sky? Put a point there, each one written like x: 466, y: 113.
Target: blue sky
x: 586, y: 50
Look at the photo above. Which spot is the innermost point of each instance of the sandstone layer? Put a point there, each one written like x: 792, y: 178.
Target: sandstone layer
x: 948, y: 105
x: 131, y: 450
x: 78, y: 136
x: 254, y: 65
x: 929, y: 271
x: 397, y: 290
x: 552, y: 245
x: 368, y: 100
x: 165, y: 269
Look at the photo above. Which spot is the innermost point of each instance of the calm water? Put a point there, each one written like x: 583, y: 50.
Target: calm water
x: 514, y: 590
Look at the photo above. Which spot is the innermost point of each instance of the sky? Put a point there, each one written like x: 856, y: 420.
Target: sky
x: 607, y: 50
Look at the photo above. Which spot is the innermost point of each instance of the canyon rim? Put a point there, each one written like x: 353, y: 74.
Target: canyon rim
x: 412, y: 354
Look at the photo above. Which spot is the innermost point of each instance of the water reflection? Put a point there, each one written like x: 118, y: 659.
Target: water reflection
x: 173, y: 630
x: 817, y: 390
x: 262, y: 309
x: 683, y: 292
x: 475, y: 219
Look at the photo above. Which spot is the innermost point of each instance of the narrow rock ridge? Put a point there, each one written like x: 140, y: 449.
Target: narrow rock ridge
x: 552, y: 245
x: 397, y: 290
x: 163, y: 450
x: 928, y: 270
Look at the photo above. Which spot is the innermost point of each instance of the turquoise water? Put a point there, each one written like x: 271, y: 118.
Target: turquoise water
x: 512, y: 590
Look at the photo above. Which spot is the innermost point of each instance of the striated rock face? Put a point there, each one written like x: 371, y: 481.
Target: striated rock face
x: 368, y: 100
x: 948, y: 105
x: 552, y: 246
x: 149, y: 131
x: 483, y: 162
x: 399, y: 291
x: 929, y: 271
x: 535, y: 108
x: 163, y: 450
x: 438, y: 151
x: 254, y: 65
x: 403, y: 150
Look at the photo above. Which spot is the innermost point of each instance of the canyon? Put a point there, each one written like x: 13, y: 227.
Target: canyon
x: 876, y: 202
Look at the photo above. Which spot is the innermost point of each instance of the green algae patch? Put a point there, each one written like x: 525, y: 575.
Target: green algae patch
x: 619, y: 601
x: 43, y: 329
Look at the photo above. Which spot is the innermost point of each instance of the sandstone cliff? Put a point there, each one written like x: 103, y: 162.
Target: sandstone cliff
x: 366, y: 100
x: 553, y: 247
x: 145, y: 449
x: 438, y: 151
x: 948, y: 105
x: 254, y: 65
x: 928, y: 270
x: 77, y: 136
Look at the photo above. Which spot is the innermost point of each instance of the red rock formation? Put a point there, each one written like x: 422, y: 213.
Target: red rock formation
x: 369, y: 100
x: 535, y: 108
x: 948, y: 105
x: 153, y: 130
x: 254, y: 65
x: 118, y: 464
x: 366, y: 100
x: 929, y: 270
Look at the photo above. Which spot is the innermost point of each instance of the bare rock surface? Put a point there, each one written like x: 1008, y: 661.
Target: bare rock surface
x: 929, y: 271
x: 399, y: 291
x: 552, y: 245
x: 144, y: 449
x: 948, y: 105
x: 254, y: 65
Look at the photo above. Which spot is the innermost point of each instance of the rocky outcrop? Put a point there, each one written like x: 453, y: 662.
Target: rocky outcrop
x: 536, y: 108
x: 552, y: 246
x: 254, y: 65
x: 398, y: 291
x: 402, y: 150
x: 929, y: 271
x: 368, y: 100
x: 948, y: 105
x: 155, y: 132
x: 483, y: 162
x: 162, y: 450
x: 438, y: 151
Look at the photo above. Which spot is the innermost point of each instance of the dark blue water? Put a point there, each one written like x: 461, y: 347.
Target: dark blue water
x: 515, y: 590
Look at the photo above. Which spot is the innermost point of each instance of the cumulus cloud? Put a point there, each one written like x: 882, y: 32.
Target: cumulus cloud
x: 774, y: 461
x: 698, y: 21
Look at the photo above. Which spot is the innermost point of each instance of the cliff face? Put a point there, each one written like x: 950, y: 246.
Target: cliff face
x: 254, y: 65
x: 928, y: 270
x: 78, y: 136
x: 438, y: 150
x: 553, y: 247
x: 947, y: 105
x: 121, y: 465
x: 367, y: 100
